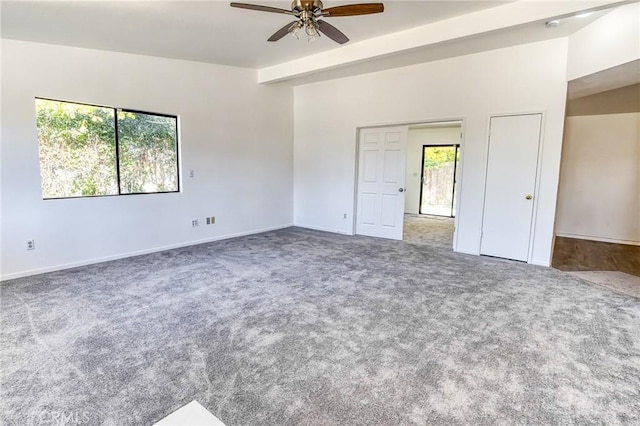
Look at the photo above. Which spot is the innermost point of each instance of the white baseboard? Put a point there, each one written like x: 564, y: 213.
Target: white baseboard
x: 70, y: 265
x: 540, y: 263
x: 316, y: 228
x: 471, y: 252
x: 533, y: 261
x: 600, y: 239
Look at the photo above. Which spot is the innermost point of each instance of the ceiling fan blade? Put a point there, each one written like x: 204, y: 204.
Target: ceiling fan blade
x: 261, y: 8
x: 353, y: 9
x: 332, y: 32
x: 282, y: 32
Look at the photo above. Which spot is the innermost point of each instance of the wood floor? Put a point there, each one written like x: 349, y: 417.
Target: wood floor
x: 583, y: 255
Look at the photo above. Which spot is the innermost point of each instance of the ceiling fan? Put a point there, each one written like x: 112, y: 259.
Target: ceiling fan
x: 308, y: 13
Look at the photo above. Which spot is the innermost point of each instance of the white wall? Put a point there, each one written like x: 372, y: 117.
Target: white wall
x: 415, y: 140
x: 234, y: 133
x: 599, y: 196
x: 472, y: 87
x: 609, y: 41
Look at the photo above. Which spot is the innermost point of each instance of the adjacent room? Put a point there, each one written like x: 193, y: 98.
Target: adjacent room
x: 433, y: 156
x: 276, y: 213
x: 598, y: 218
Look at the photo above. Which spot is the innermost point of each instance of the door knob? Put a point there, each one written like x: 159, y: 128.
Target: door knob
x: 528, y: 196
x: 401, y: 190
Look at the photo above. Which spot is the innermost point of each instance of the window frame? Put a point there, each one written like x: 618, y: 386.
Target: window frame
x: 117, y: 150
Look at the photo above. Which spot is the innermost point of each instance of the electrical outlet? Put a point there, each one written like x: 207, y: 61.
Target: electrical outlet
x: 194, y: 223
x: 208, y: 221
x: 31, y: 244
x: 192, y: 173
x: 344, y: 216
x: 213, y: 220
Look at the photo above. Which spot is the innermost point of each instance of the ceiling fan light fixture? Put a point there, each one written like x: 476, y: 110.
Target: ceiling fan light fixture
x: 310, y: 27
x: 295, y: 30
x: 308, y: 14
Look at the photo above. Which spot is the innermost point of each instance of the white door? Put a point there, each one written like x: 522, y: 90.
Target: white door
x: 381, y: 176
x: 510, y: 187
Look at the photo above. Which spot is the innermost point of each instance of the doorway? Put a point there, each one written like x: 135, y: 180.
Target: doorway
x: 438, y: 188
x: 433, y: 154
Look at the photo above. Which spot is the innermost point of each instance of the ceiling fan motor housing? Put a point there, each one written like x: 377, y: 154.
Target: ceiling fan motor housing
x: 311, y: 5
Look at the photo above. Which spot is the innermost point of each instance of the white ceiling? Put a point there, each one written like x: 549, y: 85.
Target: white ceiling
x: 212, y: 31
x: 206, y: 31
x: 603, y: 81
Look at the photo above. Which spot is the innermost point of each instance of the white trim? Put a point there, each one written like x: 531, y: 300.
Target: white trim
x: 317, y: 228
x: 485, y: 172
x: 600, y: 239
x: 458, y: 182
x: 356, y: 173
x: 536, y: 188
x: 470, y: 252
x: 135, y: 253
x: 408, y: 123
x: 545, y: 263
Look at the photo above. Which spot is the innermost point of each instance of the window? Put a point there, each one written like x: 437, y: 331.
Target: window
x: 88, y: 150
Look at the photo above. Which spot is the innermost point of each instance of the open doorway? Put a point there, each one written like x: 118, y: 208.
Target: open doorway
x: 597, y: 225
x: 433, y: 154
x: 437, y: 192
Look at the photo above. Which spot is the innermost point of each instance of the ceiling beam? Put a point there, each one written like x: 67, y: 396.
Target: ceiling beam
x: 473, y: 24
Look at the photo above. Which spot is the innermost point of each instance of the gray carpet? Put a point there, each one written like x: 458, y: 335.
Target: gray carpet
x: 614, y: 280
x: 297, y: 327
x: 429, y: 230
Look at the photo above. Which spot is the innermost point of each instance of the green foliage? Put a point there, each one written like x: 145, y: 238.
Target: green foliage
x: 438, y: 157
x: 148, y: 152
x: 77, y: 145
x: 77, y: 149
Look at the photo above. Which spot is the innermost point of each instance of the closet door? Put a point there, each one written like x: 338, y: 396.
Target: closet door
x: 514, y: 142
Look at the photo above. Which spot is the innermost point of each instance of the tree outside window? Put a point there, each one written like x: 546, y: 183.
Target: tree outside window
x: 88, y: 150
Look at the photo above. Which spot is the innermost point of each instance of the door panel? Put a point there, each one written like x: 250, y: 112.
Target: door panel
x: 368, y: 209
x: 511, y: 179
x: 370, y: 162
x: 388, y: 210
x: 381, y: 174
x: 391, y: 164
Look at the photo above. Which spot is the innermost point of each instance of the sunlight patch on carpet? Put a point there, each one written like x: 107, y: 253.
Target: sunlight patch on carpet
x: 192, y: 414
